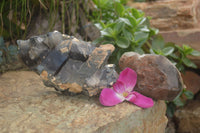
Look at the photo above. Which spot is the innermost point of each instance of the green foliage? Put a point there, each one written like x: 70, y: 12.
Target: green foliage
x: 129, y: 30
x: 176, y: 54
x: 7, y: 53
x: 17, y: 15
x: 179, y: 101
x: 126, y: 28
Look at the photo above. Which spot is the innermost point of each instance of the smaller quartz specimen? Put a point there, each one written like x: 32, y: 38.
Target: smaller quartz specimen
x: 158, y: 78
x: 68, y: 64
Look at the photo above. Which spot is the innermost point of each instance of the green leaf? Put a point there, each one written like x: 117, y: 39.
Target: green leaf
x: 188, y: 62
x: 168, y: 50
x: 180, y: 67
x: 132, y: 21
x: 170, y: 109
x: 179, y: 49
x: 142, y: 42
x: 158, y: 52
x: 127, y: 34
x: 102, y: 24
x: 154, y: 31
x: 97, y: 41
x: 110, y: 25
x: 195, y: 53
x: 187, y: 50
x: 119, y: 9
x: 141, y: 21
x: 103, y: 4
x: 107, y: 32
x: 139, y: 50
x: 173, y: 62
x: 1, y: 53
x: 122, y: 42
x: 119, y: 54
x: 158, y: 43
x: 123, y: 1
x: 95, y: 2
x: 144, y: 29
x: 119, y: 26
x: 98, y: 25
x: 178, y: 102
x: 141, y: 37
x: 136, y: 13
x: 189, y: 94
x: 152, y: 51
x: 107, y: 40
x: 124, y: 20
x: 174, y: 56
x: 171, y: 44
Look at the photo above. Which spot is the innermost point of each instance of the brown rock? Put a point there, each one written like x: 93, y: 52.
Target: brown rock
x: 178, y: 21
x: 170, y: 126
x: 73, y: 87
x: 26, y: 105
x: 171, y: 14
x: 157, y: 76
x: 191, y: 81
x: 188, y: 118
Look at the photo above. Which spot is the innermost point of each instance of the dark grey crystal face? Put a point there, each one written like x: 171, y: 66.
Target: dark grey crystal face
x: 33, y: 50
x: 68, y: 64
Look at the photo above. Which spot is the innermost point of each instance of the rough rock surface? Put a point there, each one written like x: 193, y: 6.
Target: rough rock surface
x: 26, y: 105
x: 178, y: 21
x: 170, y: 126
x: 157, y: 76
x: 171, y: 14
x: 188, y: 118
x: 68, y: 64
x: 191, y: 81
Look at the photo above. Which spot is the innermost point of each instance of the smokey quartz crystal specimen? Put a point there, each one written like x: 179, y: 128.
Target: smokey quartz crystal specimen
x: 68, y: 64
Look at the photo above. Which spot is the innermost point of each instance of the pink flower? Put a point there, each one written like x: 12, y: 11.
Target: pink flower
x: 123, y: 90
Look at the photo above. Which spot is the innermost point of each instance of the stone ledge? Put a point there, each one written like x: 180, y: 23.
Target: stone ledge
x: 171, y: 14
x: 26, y: 105
x: 188, y: 118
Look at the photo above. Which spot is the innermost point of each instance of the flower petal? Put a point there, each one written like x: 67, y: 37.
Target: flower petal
x: 129, y: 78
x: 109, y: 97
x: 140, y: 100
x: 119, y: 87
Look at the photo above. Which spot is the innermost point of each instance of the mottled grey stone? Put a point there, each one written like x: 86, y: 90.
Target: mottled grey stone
x: 68, y: 64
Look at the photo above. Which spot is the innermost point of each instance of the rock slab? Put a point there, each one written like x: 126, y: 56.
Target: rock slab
x: 178, y: 21
x: 157, y: 77
x: 26, y: 105
x: 191, y: 81
x: 188, y: 118
x: 171, y: 14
